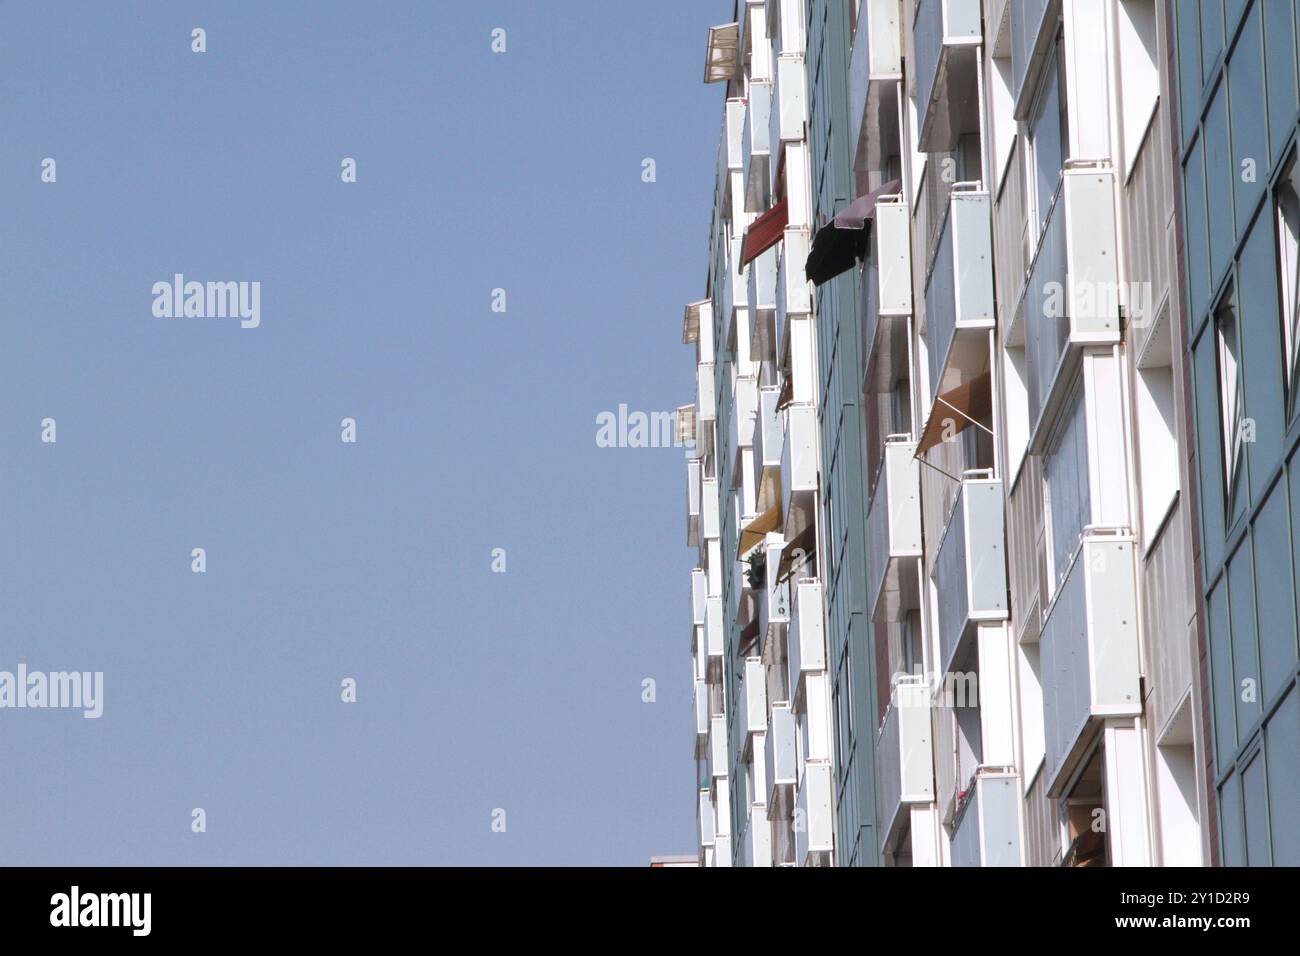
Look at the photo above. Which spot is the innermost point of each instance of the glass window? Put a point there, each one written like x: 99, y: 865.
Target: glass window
x: 1245, y: 649
x: 1275, y: 594
x: 1287, y: 209
x: 1189, y: 66
x: 1231, y: 412
x: 1256, y: 813
x: 1232, y: 826
x: 1048, y: 144
x: 1225, y: 714
x: 1198, y: 249
x: 1279, y: 51
x: 1211, y: 35
x: 1249, y: 122
x: 1220, y: 175
x: 1282, y: 740
x: 1068, y: 491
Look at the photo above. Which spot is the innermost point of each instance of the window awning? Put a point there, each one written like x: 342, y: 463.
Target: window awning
x: 956, y: 410
x: 722, y: 60
x: 691, y: 322
x: 803, y: 545
x: 763, y: 233
x: 840, y: 243
x: 785, y: 398
x: 753, y: 533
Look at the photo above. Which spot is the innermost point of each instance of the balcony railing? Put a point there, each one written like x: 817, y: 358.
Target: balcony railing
x: 987, y: 828
x: 1089, y: 649
x: 1032, y: 33
x: 816, y: 838
x: 945, y: 37
x: 715, y: 637
x: 894, y: 532
x: 702, y: 716
x: 757, y: 147
x: 807, y: 638
x: 971, y: 568
x: 887, y: 297
x: 799, y: 465
x: 734, y: 133
x: 774, y: 604
x: 779, y: 757
x: 754, y: 696
x: 704, y: 815
x: 719, y: 764
x: 790, y: 101
x: 876, y: 64
x: 904, y: 756
x: 959, y: 290
x: 1071, y: 298
x: 793, y: 297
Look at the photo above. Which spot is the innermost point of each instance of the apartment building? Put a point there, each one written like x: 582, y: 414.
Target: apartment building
x: 950, y: 505
x: 1236, y: 102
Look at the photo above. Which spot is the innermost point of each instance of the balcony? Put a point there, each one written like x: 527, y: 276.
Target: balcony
x: 1071, y: 299
x: 761, y: 293
x: 693, y: 473
x: 894, y: 532
x: 744, y: 418
x: 706, y: 400
x: 715, y: 638
x: 875, y: 70
x: 790, y: 101
x: 705, y: 817
x: 769, y: 441
x: 753, y: 697
x: 1033, y: 30
x: 1089, y: 650
x: 774, y: 605
x: 699, y: 595
x: 959, y: 291
x: 756, y: 839
x: 946, y: 36
x: 799, y: 465
x: 793, y: 293
x: 970, y: 569
x: 779, y: 756
x: 756, y: 148
x: 734, y: 133
x: 719, y: 764
x: 887, y: 297
x: 736, y: 290
x: 709, y: 526
x: 814, y: 807
x: 702, y: 716
x: 807, y: 638
x: 904, y: 757
x: 986, y: 828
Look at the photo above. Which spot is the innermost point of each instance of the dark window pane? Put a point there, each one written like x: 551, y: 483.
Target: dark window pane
x: 1245, y: 649
x: 1198, y: 249
x: 1219, y: 179
x: 1279, y: 49
x: 1189, y: 66
x: 1275, y: 594
x: 1249, y: 125
x: 1282, y: 750
x: 1225, y: 720
x: 1232, y: 827
x: 1255, y: 804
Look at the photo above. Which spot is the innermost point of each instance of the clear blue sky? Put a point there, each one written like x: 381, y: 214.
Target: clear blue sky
x: 475, y: 430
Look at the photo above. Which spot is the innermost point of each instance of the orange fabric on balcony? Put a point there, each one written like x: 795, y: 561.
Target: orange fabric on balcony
x: 763, y: 233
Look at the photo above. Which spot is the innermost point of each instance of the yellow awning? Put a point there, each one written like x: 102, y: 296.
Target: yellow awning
x: 753, y: 533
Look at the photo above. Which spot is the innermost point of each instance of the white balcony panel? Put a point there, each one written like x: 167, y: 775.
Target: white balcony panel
x: 959, y: 291
x: 702, y: 716
x: 705, y: 817
x: 699, y: 595
x: 693, y: 477
x: 779, y: 758
x: 1089, y: 650
x: 875, y: 67
x: 894, y: 532
x: 706, y: 400
x: 807, y: 638
x: 814, y: 811
x: 987, y: 833
x: 970, y: 569
x: 945, y: 51
x: 754, y: 696
x: 1071, y: 299
x: 757, y: 147
x: 715, y: 637
x: 735, y: 133
x: 790, y: 112
x: 719, y: 764
x: 799, y: 468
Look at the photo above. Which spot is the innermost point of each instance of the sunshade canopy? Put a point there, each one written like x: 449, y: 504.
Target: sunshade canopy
x: 840, y: 243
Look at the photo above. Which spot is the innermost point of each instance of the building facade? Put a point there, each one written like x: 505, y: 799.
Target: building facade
x: 1235, y: 68
x: 967, y: 592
